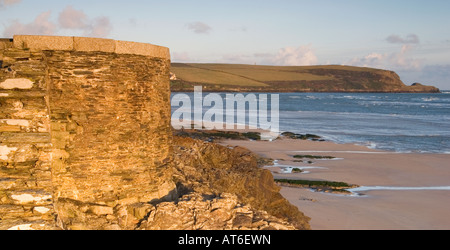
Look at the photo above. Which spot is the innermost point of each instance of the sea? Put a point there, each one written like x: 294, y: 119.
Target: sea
x: 406, y: 123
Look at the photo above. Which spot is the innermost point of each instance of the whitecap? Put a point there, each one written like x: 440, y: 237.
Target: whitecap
x: 345, y: 151
x: 287, y: 169
x: 374, y: 188
x: 358, y: 192
x: 430, y: 99
x: 371, y: 145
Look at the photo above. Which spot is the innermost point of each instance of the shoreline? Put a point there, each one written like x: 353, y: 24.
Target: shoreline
x: 376, y: 150
x: 408, y: 201
x: 190, y: 90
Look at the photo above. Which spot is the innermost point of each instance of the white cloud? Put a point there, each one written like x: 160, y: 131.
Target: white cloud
x: 199, y: 27
x: 393, y: 61
x: 410, y: 39
x: 40, y: 26
x: 100, y: 27
x: 295, y: 56
x: 4, y: 3
x: 73, y: 19
x: 68, y: 19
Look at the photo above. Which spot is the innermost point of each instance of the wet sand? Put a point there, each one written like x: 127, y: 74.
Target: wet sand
x: 377, y: 209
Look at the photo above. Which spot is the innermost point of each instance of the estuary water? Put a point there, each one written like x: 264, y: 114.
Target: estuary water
x: 408, y: 123
x: 395, y: 122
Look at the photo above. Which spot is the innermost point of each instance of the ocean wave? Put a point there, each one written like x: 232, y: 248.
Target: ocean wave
x: 359, y: 97
x: 430, y: 99
x: 361, y: 116
x: 287, y: 169
x: 344, y: 151
x: 404, y: 123
x: 362, y: 189
x: 426, y: 101
x: 353, y: 97
x: 372, y: 145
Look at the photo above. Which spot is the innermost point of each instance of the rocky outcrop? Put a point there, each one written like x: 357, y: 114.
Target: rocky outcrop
x: 420, y: 88
x: 212, y: 169
x: 173, y: 77
x: 202, y: 212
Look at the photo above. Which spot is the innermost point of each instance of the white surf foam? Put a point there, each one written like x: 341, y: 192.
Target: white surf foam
x: 374, y: 188
x: 338, y: 151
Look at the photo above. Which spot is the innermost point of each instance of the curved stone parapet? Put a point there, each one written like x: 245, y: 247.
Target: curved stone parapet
x: 84, y: 131
x: 87, y: 44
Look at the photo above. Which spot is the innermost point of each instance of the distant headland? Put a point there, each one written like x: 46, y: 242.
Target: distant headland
x: 253, y: 78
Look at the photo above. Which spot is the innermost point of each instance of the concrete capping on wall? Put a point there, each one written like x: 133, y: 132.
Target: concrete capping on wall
x: 94, y: 44
x: 86, y: 44
x: 123, y: 47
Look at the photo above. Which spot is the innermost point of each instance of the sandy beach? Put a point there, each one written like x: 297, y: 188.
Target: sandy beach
x: 421, y: 182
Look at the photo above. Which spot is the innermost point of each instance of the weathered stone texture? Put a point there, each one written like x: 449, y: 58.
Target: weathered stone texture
x: 105, y: 115
x: 6, y: 43
x: 200, y: 212
x: 81, y: 126
x: 208, y: 168
x: 25, y: 174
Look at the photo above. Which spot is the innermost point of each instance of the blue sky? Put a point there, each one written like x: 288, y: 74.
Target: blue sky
x: 410, y: 37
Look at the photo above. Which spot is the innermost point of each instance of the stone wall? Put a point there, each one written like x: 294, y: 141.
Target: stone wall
x: 25, y: 141
x: 84, y: 130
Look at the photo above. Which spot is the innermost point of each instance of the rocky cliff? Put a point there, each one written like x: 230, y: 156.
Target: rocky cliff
x: 250, y: 78
x: 221, y: 188
x: 212, y: 170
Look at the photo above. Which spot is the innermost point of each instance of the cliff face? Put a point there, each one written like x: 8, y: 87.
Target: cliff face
x: 211, y: 169
x: 249, y: 78
x: 348, y: 79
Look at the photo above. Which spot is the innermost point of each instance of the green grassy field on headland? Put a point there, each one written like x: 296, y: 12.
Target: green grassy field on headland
x: 253, y: 78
